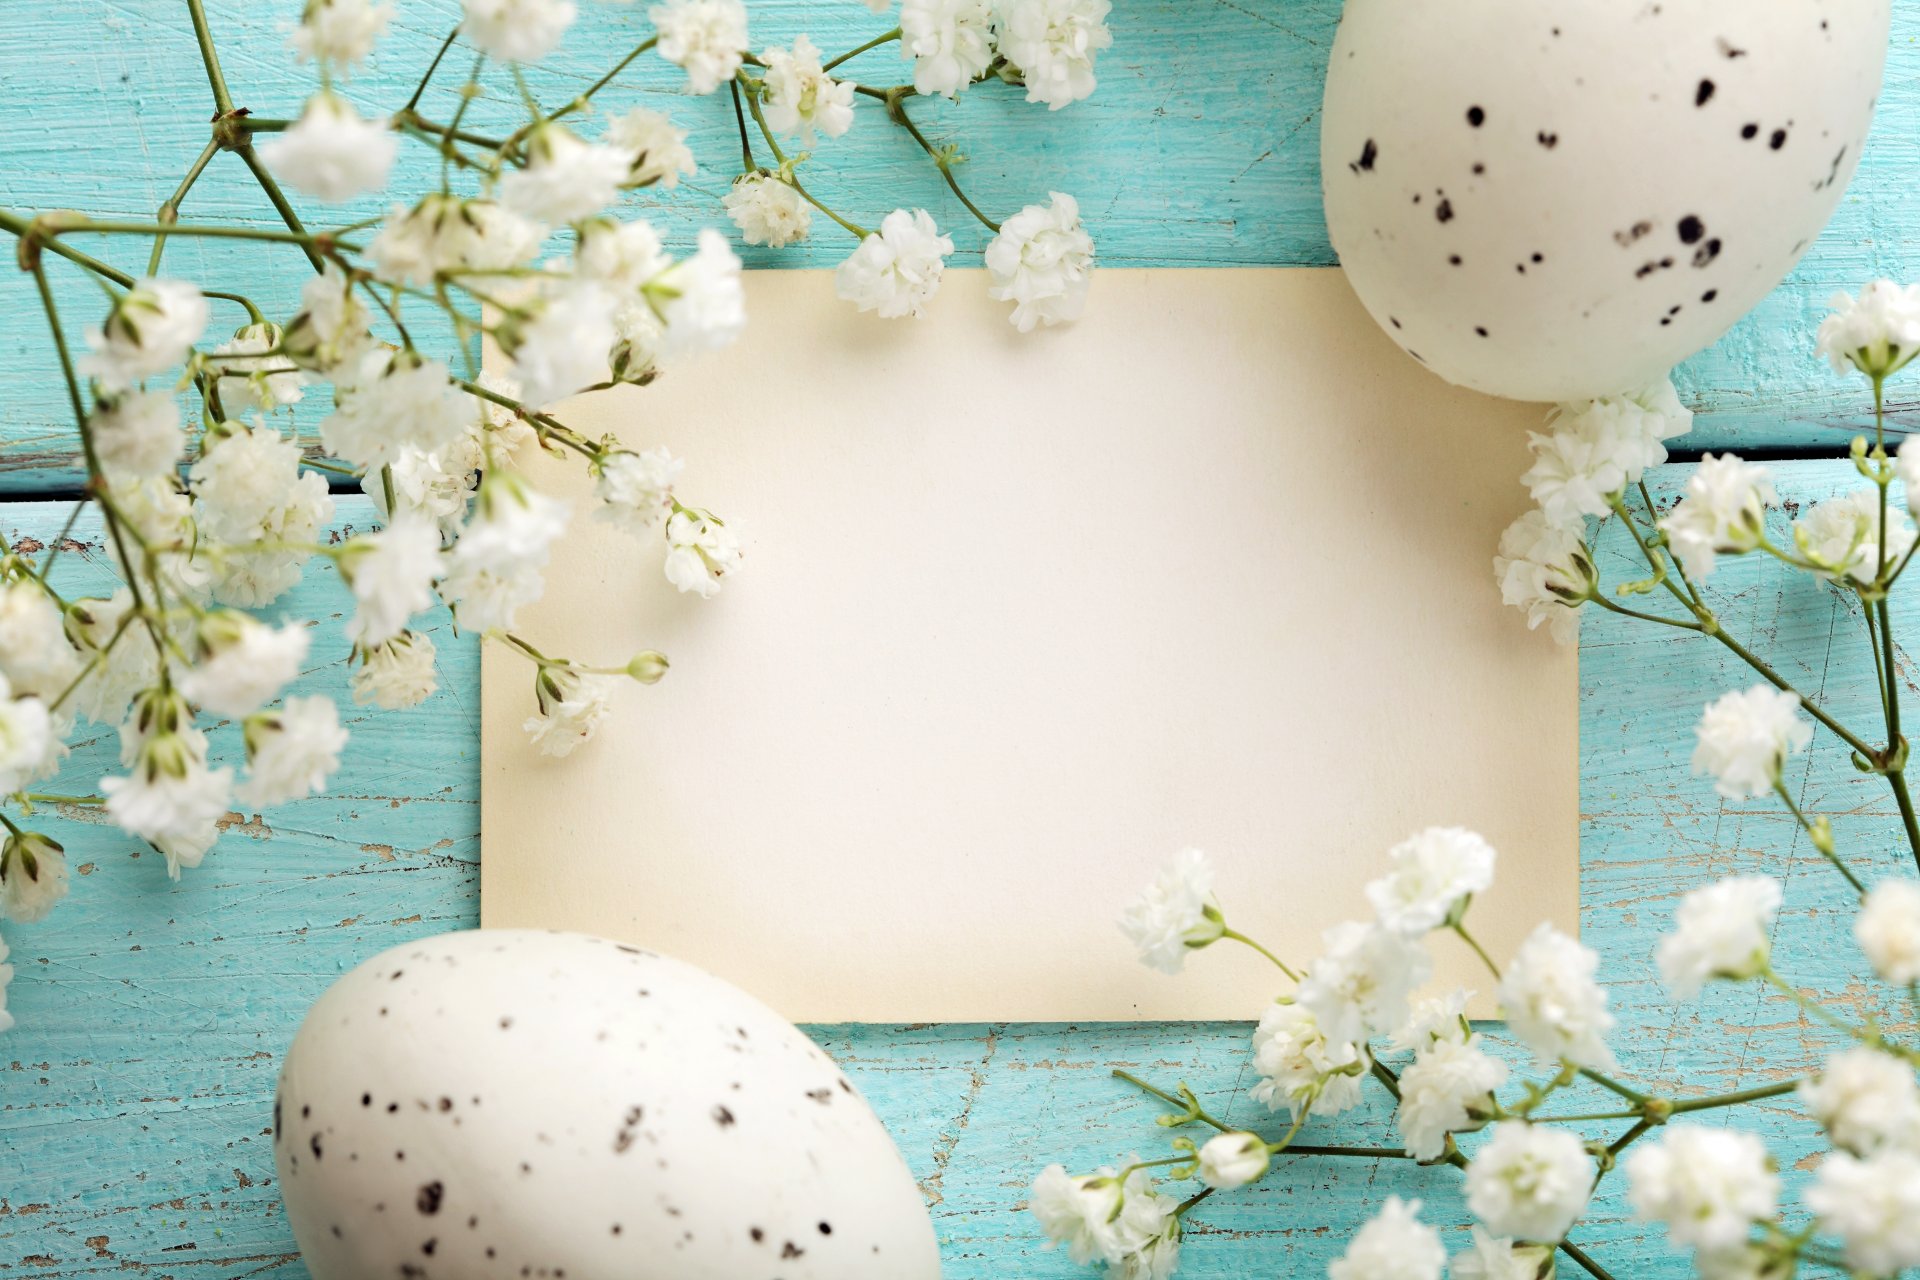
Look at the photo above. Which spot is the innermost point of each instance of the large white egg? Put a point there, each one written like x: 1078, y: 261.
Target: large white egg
x: 509, y: 1103
x: 1551, y: 201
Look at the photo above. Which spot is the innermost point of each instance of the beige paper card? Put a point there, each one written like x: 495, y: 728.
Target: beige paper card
x: 1021, y: 616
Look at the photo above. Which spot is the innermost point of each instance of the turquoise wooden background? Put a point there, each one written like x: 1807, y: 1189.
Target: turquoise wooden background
x: 134, y: 1095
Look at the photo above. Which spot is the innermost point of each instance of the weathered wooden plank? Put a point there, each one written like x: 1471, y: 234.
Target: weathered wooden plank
x: 1201, y: 148
x: 134, y: 1095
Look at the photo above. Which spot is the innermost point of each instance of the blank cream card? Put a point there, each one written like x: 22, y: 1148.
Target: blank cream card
x: 1020, y: 617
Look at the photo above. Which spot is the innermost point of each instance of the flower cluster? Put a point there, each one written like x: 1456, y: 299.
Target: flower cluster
x: 215, y: 495
x: 1533, y: 1161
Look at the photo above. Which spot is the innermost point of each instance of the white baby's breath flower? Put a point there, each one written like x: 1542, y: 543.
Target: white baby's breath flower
x: 1231, y: 1160
x: 1873, y: 1204
x: 1147, y: 1233
x: 1723, y: 930
x: 636, y: 489
x: 1434, y: 873
x: 331, y: 328
x: 1551, y: 1001
x: 395, y: 399
x: 949, y: 41
x: 391, y: 573
x: 36, y: 657
x: 397, y: 674
x: 701, y: 298
x: 248, y: 489
x: 566, y: 178
x: 895, y: 271
x: 1876, y: 333
x: 1888, y: 930
x: 33, y: 876
x: 658, y: 148
x: 137, y: 434
x: 767, y: 210
x: 497, y: 564
x: 1392, y: 1245
x: 1865, y: 1100
x: 1042, y: 261
x: 331, y: 153
x: 620, y: 257
x: 340, y: 33
x: 700, y: 552
x: 1359, y: 986
x: 1431, y: 1018
x: 1175, y: 914
x: 148, y: 331
x: 433, y: 485
x: 243, y: 663
x: 1543, y: 568
x: 291, y: 751
x: 1494, y: 1257
x: 1530, y: 1182
x: 1708, y: 1184
x: 572, y: 706
x: 1053, y: 44
x: 560, y: 345
x: 1300, y: 1069
x: 1077, y: 1212
x: 1745, y: 738
x: 802, y: 99
x: 703, y: 37
x: 1447, y: 1089
x: 1596, y: 448
x: 1841, y: 536
x: 517, y: 30
x: 252, y: 378
x: 447, y: 233
x: 170, y: 797
x: 123, y: 663
x: 1723, y: 511
x: 28, y: 740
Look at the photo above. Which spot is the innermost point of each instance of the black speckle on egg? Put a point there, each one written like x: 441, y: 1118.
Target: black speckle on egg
x: 1444, y: 211
x: 1539, y: 258
x: 1395, y: 321
x: 1480, y: 329
x: 1749, y: 131
x: 1368, y: 154
x: 790, y: 1250
x: 1454, y: 259
x: 723, y: 1117
x: 1727, y: 48
x: 1707, y: 252
x: 1778, y: 140
x: 428, y: 1201
x: 1476, y: 116
x: 1702, y: 94
x: 1691, y: 229
x: 366, y: 1099
x: 756, y: 1235
x: 1548, y: 140
x: 314, y: 1144
x: 826, y: 1228
x: 1709, y: 295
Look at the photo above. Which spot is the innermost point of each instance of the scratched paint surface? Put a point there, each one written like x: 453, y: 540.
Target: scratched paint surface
x: 134, y: 1097
x: 1200, y: 148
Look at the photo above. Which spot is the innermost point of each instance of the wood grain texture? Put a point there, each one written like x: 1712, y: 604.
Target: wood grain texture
x: 135, y: 1095
x: 1200, y: 148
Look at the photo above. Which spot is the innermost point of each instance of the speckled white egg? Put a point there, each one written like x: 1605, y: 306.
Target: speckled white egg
x: 1550, y: 201
x: 510, y: 1103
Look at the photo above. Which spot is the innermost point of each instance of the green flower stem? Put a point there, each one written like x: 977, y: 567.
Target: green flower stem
x: 222, y: 100
x: 759, y: 118
x: 1627, y: 1139
x: 118, y: 227
x: 580, y: 103
x: 1734, y: 1099
x: 1280, y: 964
x: 886, y: 37
x: 1621, y: 609
x: 1385, y: 1075
x: 43, y: 797
x: 114, y: 522
x: 1873, y: 645
x: 1821, y: 842
x: 1181, y: 1210
x: 427, y: 76
x: 546, y: 425
x: 942, y: 159
x: 280, y: 203
x: 1587, y: 1116
x: 1172, y: 1100
x: 1460, y: 928
x: 24, y: 229
x: 1586, y: 1263
x: 1611, y: 1085
x: 747, y: 163
x: 1710, y: 625
x: 1865, y: 1035
x: 1363, y: 1153
x: 170, y: 211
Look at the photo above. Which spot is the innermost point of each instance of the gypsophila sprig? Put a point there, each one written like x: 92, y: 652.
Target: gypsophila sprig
x: 216, y: 430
